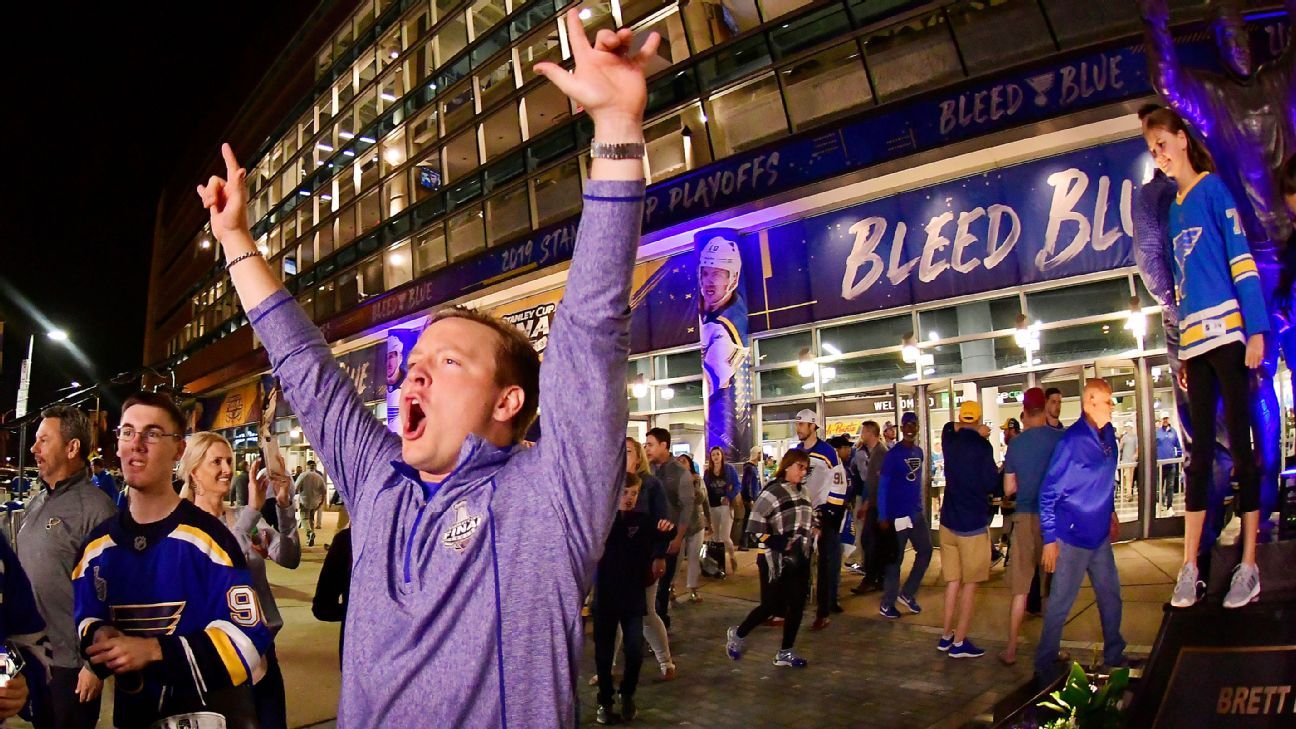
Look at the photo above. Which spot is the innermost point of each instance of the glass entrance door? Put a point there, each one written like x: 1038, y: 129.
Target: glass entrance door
x: 1168, y: 446
x: 1132, y: 427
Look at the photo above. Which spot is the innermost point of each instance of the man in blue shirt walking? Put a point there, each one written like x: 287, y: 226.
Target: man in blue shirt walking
x: 900, y: 508
x: 1167, y: 444
x: 1025, y: 464
x: 1078, y: 523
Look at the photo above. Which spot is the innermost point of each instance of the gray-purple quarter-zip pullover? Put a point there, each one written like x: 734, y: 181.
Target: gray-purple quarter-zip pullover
x: 466, y: 595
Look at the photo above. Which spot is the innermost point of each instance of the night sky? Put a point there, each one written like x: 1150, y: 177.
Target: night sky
x: 99, y: 98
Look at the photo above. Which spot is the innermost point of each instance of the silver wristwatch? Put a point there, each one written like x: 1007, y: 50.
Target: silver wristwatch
x: 620, y: 150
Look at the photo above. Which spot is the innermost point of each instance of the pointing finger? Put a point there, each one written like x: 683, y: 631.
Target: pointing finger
x: 580, y: 45
x: 231, y: 162
x: 649, y: 49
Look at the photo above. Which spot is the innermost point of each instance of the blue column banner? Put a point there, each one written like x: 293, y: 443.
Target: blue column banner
x: 399, y: 344
x: 726, y: 350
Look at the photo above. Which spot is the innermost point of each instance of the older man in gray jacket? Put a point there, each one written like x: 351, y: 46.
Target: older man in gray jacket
x: 57, y: 521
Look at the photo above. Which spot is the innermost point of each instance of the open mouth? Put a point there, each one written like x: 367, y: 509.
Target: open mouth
x: 415, y: 420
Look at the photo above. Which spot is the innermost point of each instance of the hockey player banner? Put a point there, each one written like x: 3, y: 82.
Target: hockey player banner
x: 399, y: 344
x: 726, y: 349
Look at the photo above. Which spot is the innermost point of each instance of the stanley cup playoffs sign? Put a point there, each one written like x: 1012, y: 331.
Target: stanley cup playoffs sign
x: 726, y: 349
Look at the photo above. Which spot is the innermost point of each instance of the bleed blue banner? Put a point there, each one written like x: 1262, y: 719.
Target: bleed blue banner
x: 726, y: 350
x: 1048, y: 219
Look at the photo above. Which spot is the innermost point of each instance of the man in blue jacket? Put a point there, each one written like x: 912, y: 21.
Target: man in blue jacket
x: 1077, y: 524
x: 971, y: 476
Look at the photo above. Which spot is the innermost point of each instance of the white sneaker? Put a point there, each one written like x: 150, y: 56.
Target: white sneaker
x: 1244, y: 588
x: 1185, y: 590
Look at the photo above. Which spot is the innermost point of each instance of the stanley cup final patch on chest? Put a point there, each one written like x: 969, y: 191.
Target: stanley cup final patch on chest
x: 463, y: 528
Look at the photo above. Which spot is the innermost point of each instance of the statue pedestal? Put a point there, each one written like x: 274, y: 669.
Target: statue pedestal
x: 1276, y: 560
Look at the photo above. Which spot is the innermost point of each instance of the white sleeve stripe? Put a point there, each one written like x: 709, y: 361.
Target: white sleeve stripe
x: 243, y: 644
x: 1242, y: 257
x: 81, y: 629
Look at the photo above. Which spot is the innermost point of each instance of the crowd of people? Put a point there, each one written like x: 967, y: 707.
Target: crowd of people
x: 464, y: 606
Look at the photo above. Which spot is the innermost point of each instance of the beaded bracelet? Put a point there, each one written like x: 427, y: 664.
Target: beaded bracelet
x: 241, y: 257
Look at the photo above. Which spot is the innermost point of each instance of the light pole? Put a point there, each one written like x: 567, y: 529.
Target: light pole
x: 24, y: 384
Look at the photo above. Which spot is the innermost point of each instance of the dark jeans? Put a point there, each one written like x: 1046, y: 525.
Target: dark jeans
x: 828, y: 576
x: 268, y: 693
x: 874, y: 568
x: 1221, y: 373
x: 66, y: 710
x: 663, y: 588
x: 920, y: 537
x: 787, y: 593
x: 605, y: 633
x: 763, y: 568
x: 1073, y: 563
x: 1169, y: 481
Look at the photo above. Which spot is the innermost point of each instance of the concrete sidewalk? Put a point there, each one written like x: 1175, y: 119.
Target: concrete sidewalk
x: 864, y: 671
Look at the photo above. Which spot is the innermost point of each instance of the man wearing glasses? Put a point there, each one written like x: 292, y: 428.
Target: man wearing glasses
x: 164, y: 599
x: 58, y: 518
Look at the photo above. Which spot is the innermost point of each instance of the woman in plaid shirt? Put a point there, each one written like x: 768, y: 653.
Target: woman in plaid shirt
x: 782, y: 521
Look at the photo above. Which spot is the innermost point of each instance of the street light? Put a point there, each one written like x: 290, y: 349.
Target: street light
x: 57, y: 335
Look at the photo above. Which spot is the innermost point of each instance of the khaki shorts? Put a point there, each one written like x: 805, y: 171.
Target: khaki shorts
x: 965, y: 559
x: 1027, y: 550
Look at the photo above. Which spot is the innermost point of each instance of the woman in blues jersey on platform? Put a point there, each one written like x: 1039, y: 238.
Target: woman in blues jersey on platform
x: 1222, y: 323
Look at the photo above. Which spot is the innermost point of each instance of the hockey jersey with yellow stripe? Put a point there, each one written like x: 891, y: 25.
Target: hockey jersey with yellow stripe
x: 183, y: 581
x: 1217, y: 285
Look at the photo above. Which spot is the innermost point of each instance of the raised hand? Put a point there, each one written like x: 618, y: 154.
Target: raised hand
x: 608, y: 80
x: 226, y: 198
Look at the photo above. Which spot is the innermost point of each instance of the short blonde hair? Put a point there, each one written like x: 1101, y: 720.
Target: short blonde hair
x: 196, y: 447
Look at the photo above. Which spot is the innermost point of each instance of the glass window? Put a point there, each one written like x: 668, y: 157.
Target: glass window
x: 429, y: 249
x: 364, y: 18
x: 461, y: 155
x: 371, y: 277
x: 366, y: 69
x: 825, y: 86
x: 457, y: 108
x: 557, y: 192
x: 596, y: 15
x: 485, y: 14
x: 306, y: 255
x: 543, y: 46
x: 344, y: 91
x: 680, y: 364
x: 738, y: 60
x: 368, y: 168
x: 787, y: 348
x: 346, y: 226
x: 415, y: 26
x: 674, y: 44
x: 677, y: 144
x: 974, y: 317
x: 546, y: 107
x: 324, y: 236
x: 366, y: 110
x: 393, y: 151
x: 1073, y: 302
x: 342, y: 42
x: 451, y: 38
x: 390, y: 47
x: 872, y: 334
x: 746, y: 116
x: 910, y: 56
x: 348, y: 290
x: 1086, y: 341
x: 423, y: 130
x: 398, y: 265
x: 711, y: 22
x: 508, y: 214
x: 783, y: 382
x: 868, y: 371
x: 324, y: 62
x: 818, y: 27
x: 1081, y: 23
x: 466, y: 233
x: 979, y: 29
x: 632, y: 11
x: 325, y: 301
x: 679, y: 395
x: 426, y: 176
x: 396, y: 195
x: 967, y: 358
x: 501, y: 131
x: 391, y: 89
x: 370, y: 211
x: 496, y: 83
x: 772, y: 9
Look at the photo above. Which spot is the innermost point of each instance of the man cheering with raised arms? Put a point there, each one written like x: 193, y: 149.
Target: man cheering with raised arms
x: 465, y: 600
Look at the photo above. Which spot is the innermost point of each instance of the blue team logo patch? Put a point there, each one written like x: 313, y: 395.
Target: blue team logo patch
x: 463, y: 528
x: 148, y: 621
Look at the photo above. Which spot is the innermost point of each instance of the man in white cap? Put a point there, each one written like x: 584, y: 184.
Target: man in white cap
x: 826, y: 488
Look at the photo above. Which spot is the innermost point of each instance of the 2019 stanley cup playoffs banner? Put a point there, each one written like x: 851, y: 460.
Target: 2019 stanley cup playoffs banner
x: 726, y: 351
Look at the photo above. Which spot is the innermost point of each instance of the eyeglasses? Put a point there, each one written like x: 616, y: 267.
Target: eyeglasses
x: 152, y: 436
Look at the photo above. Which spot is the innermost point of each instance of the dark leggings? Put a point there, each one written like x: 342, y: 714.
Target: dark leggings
x: 271, y: 707
x: 605, y: 634
x: 1221, y: 373
x: 786, y: 594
